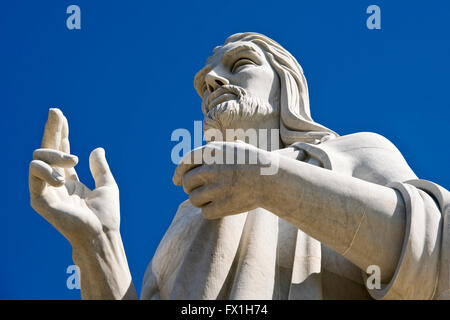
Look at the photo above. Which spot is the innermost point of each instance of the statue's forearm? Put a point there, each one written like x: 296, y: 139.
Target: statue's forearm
x: 363, y: 221
x: 104, y: 272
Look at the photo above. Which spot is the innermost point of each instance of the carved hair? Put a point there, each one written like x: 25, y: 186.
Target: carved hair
x: 296, y: 124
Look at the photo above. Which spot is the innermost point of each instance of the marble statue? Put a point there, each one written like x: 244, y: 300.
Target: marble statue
x: 336, y: 205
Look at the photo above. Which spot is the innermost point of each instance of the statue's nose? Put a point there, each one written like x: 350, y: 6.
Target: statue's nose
x: 214, y: 81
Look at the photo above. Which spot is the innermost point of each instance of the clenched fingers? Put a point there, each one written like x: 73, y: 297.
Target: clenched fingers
x: 197, y: 177
x: 207, y: 154
x: 204, y: 195
x: 190, y: 161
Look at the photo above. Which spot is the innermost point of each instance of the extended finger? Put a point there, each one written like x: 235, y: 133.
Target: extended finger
x: 45, y: 172
x: 55, y: 158
x: 70, y: 172
x: 64, y: 145
x: 100, y: 169
x: 53, y: 129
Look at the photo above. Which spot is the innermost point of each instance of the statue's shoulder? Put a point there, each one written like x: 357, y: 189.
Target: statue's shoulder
x: 361, y: 140
x: 368, y: 156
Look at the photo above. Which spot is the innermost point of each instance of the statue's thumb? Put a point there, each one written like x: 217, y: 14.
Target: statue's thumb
x: 100, y: 169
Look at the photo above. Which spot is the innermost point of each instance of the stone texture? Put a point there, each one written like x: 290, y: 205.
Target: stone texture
x: 333, y: 205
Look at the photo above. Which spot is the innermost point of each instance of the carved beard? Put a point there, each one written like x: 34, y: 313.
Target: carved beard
x: 244, y: 109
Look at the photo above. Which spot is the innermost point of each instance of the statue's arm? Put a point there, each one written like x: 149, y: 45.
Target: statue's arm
x: 104, y: 270
x: 361, y: 220
x: 88, y: 219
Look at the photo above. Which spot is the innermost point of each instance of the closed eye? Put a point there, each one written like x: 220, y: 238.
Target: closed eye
x: 241, y: 62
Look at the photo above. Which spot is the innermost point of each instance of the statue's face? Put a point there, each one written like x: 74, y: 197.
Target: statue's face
x: 241, y: 88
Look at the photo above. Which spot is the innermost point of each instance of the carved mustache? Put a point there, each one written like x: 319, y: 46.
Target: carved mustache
x: 223, y: 93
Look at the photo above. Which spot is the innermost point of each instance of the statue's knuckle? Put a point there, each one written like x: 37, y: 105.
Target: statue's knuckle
x: 194, y: 200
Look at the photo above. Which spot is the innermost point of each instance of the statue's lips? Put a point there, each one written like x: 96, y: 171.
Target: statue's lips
x: 216, y: 100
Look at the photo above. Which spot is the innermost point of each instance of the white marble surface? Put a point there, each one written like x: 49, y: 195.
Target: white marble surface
x: 333, y: 206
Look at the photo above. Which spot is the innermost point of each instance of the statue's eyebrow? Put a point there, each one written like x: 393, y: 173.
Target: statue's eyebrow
x: 199, y: 79
x: 244, y: 47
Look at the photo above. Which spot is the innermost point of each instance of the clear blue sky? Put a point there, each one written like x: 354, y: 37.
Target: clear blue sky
x: 125, y: 80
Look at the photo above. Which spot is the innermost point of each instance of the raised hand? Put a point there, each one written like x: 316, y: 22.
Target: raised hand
x: 79, y: 213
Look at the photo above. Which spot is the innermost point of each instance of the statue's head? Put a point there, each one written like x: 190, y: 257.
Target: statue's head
x: 253, y: 82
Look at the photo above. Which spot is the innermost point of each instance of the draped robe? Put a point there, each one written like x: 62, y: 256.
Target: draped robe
x: 257, y: 255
